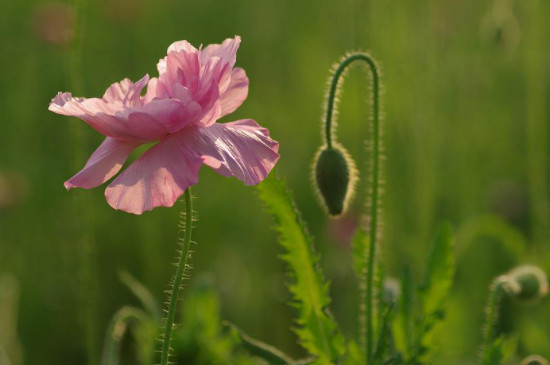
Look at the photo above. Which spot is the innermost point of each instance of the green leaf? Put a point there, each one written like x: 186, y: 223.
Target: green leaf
x: 144, y: 329
x: 435, y: 290
x: 385, y: 336
x: 403, y: 329
x: 203, y: 340
x: 317, y: 330
x: 142, y: 293
x: 494, y: 354
x: 271, y: 354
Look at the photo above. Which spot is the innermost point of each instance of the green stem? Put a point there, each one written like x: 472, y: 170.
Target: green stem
x: 491, y: 318
x: 178, y: 278
x: 374, y: 198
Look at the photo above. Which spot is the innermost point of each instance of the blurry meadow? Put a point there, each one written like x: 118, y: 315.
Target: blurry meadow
x: 466, y: 137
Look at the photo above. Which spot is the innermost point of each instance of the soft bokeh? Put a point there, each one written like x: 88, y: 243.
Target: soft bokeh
x: 466, y: 137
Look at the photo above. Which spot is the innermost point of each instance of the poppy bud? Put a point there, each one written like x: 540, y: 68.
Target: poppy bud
x: 530, y: 283
x: 534, y: 360
x: 334, y: 174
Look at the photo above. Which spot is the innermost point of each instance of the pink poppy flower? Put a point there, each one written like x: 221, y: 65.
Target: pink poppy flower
x: 179, y: 110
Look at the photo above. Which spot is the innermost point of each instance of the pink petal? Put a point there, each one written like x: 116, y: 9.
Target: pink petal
x: 172, y: 114
x: 227, y: 51
x: 236, y: 92
x: 110, y: 119
x: 182, y: 46
x: 133, y: 97
x: 117, y: 91
x: 157, y: 178
x: 211, y: 105
x: 126, y: 92
x: 155, y: 89
x: 226, y: 55
x: 242, y: 149
x: 103, y: 164
x: 181, y: 68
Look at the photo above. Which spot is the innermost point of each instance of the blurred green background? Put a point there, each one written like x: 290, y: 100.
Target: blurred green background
x: 466, y: 89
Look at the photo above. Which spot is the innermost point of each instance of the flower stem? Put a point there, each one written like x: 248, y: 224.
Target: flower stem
x: 374, y: 192
x: 178, y: 278
x: 491, y: 313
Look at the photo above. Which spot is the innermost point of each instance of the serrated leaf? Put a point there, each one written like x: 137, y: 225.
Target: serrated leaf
x: 441, y: 270
x: 317, y: 330
x: 435, y: 290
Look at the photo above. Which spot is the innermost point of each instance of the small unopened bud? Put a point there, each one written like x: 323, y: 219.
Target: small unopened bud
x: 530, y: 283
x: 534, y: 360
x: 334, y: 174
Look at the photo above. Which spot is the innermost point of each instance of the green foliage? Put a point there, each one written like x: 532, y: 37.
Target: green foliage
x: 419, y: 315
x: 494, y: 353
x: 404, y: 318
x: 143, y: 328
x: 142, y: 324
x: 147, y: 300
x: 203, y: 340
x: 317, y: 330
x: 435, y: 290
x: 269, y: 353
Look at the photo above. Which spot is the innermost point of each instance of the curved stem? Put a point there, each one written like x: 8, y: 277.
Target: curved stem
x: 491, y: 316
x: 371, y: 259
x: 180, y: 272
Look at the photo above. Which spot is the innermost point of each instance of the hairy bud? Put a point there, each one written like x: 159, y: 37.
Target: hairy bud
x: 529, y: 283
x: 334, y: 175
x: 534, y: 360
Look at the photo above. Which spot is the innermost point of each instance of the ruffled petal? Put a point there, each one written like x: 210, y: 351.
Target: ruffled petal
x: 227, y: 51
x: 210, y: 106
x: 103, y: 164
x: 126, y: 92
x: 157, y: 178
x: 182, y: 46
x: 172, y: 114
x: 236, y: 92
x: 111, y: 119
x: 183, y: 68
x: 117, y: 91
x: 242, y: 149
x: 155, y: 90
x: 225, y: 56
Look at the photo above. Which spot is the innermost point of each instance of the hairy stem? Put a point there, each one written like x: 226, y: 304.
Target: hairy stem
x: 178, y: 278
x: 374, y: 192
x: 491, y: 315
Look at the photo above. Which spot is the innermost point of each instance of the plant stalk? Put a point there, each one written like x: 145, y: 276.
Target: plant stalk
x: 178, y: 278
x: 374, y: 192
